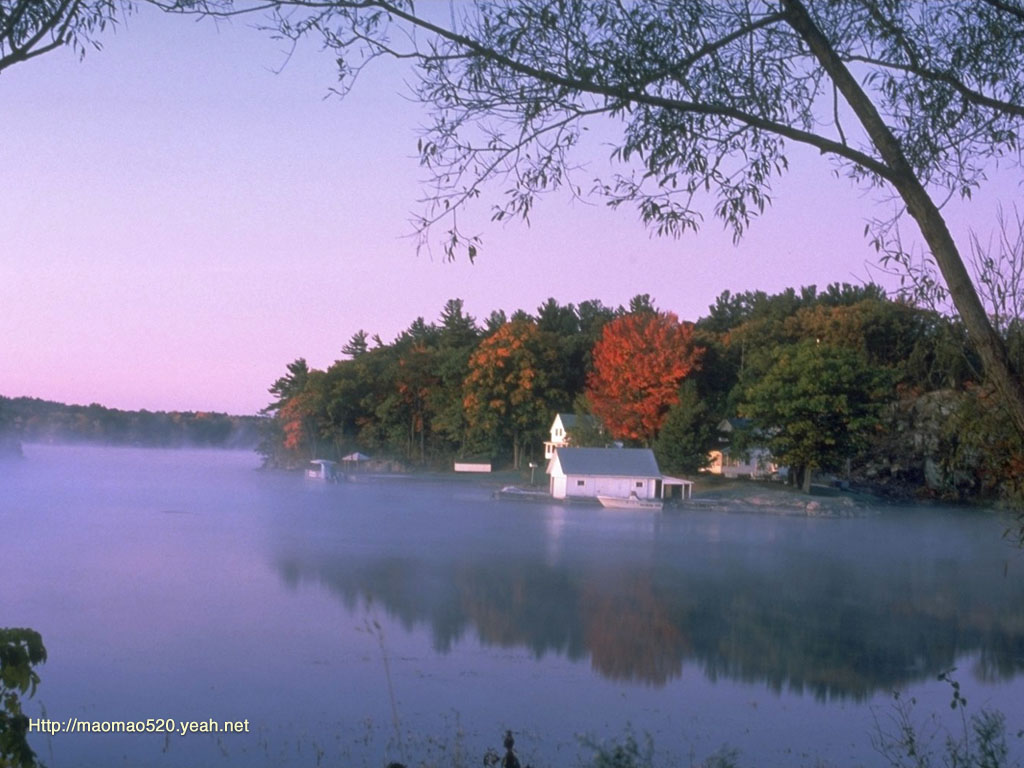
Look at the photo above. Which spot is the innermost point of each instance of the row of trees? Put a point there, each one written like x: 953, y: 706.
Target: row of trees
x: 456, y: 388
x: 44, y: 421
x: 843, y: 379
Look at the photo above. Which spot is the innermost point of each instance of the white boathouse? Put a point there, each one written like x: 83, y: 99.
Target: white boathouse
x: 585, y: 473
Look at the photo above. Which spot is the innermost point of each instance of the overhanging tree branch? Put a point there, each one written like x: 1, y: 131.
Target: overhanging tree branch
x: 970, y: 94
x: 925, y: 213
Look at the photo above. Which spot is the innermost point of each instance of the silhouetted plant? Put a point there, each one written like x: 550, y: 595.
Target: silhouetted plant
x: 981, y: 742
x: 491, y: 757
x: 20, y: 651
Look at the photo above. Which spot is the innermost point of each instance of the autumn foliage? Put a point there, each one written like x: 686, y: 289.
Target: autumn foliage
x: 639, y: 362
x: 508, y: 389
x: 297, y: 420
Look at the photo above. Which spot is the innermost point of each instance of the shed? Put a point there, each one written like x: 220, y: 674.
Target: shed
x: 322, y: 469
x: 472, y: 466
x: 583, y: 473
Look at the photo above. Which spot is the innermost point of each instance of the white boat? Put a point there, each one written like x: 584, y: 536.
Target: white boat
x: 630, y: 502
x: 322, y: 469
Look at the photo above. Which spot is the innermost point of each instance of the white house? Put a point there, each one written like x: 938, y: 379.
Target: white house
x: 560, y: 431
x: 755, y: 462
x: 583, y: 473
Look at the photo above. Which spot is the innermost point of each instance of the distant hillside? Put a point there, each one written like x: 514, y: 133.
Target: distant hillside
x: 41, y: 421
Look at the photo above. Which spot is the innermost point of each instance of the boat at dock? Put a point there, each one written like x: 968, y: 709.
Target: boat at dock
x: 630, y: 502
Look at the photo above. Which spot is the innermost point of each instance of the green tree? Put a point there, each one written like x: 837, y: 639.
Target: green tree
x: 288, y: 385
x: 816, y: 406
x: 457, y: 328
x: 640, y: 304
x: 457, y: 339
x: 562, y: 324
x: 688, y: 434
x: 495, y: 320
x: 578, y: 347
x: 553, y: 317
x: 357, y: 345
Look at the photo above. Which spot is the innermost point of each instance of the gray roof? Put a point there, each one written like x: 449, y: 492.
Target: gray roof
x: 609, y: 462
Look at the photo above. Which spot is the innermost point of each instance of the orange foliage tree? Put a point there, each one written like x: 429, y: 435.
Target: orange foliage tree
x: 508, y: 392
x: 639, y: 362
x: 299, y: 415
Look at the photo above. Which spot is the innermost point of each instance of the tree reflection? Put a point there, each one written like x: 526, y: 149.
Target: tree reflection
x: 629, y: 631
x: 759, y: 613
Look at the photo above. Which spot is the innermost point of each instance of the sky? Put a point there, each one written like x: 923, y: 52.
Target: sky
x: 188, y: 210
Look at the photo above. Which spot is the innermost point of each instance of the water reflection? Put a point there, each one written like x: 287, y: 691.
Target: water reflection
x: 836, y: 608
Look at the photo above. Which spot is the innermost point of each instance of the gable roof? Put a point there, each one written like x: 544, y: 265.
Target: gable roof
x: 607, y: 462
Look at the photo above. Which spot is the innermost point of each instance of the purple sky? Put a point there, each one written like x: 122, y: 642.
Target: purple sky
x: 178, y: 222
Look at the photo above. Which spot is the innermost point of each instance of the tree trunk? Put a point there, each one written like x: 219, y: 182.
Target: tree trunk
x: 925, y: 212
x: 806, y: 487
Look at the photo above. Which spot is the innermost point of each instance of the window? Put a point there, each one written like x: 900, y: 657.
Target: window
x: 581, y: 483
x: 639, y: 483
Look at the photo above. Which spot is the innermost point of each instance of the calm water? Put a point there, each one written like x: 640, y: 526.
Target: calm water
x: 412, y: 620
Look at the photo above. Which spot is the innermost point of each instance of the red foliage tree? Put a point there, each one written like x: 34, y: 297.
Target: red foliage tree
x: 639, y: 362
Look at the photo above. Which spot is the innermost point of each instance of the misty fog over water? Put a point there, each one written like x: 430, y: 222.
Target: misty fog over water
x: 408, y: 619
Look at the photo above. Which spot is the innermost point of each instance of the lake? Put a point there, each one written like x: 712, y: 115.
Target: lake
x: 416, y: 620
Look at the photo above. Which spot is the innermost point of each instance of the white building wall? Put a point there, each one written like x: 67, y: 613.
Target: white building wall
x: 613, y: 486
x: 577, y: 487
x: 588, y: 487
x: 558, y: 487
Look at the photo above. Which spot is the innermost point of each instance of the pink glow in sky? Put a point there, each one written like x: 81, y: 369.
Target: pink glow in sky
x: 178, y: 222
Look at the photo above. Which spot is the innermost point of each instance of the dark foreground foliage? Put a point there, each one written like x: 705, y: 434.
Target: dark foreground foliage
x: 20, y: 651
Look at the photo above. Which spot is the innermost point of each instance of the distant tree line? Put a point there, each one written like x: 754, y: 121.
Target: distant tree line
x: 42, y: 421
x: 843, y: 380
